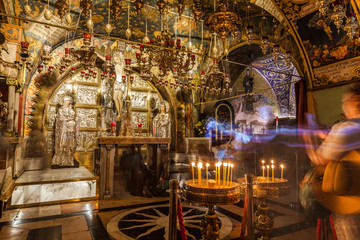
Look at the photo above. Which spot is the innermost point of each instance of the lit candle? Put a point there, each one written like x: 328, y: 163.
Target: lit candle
x: 219, y: 174
x: 193, y: 175
x: 207, y: 178
x: 228, y: 174
x: 199, y: 173
x: 282, y: 171
x: 272, y: 162
x: 232, y: 166
x: 216, y: 173
x: 224, y: 173
x: 263, y: 167
x: 263, y: 162
x: 272, y: 173
x: 267, y: 174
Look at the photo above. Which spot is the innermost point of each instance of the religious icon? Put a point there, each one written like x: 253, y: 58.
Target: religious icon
x: 66, y: 126
x: 161, y: 123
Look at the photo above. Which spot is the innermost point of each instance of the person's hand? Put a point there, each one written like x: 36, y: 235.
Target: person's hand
x: 321, y: 134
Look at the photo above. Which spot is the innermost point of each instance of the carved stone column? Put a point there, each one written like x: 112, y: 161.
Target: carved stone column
x: 106, y: 171
x: 16, y: 109
x: 12, y: 83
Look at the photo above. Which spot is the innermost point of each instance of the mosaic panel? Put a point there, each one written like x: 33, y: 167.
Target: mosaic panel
x: 284, y: 92
x: 86, y: 95
x: 87, y: 117
x: 139, y: 99
x: 86, y: 141
x: 51, y: 116
x: 140, y: 117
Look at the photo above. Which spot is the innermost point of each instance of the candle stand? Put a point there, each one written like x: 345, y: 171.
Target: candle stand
x: 264, y: 188
x: 207, y: 193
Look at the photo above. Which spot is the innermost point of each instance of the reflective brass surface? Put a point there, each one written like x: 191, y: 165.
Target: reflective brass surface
x: 264, y: 188
x: 209, y: 194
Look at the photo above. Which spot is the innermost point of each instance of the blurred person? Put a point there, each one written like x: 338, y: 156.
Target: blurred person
x: 343, y: 138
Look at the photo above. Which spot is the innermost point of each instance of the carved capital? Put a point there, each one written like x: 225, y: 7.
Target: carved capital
x: 11, y: 82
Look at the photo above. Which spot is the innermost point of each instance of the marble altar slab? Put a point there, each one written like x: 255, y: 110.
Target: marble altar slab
x: 53, y: 185
x: 55, y: 175
x: 51, y: 192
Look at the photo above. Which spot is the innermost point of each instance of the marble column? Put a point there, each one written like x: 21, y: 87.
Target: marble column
x: 16, y: 109
x: 11, y: 103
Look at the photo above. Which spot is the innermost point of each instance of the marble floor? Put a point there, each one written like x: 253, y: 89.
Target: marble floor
x: 137, y: 218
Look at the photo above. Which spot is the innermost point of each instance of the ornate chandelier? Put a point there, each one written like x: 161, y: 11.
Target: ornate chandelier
x: 215, y: 83
x: 223, y: 21
x: 171, y: 58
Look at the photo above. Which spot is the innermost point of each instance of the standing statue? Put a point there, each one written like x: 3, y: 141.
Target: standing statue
x: 65, y: 132
x: 161, y: 123
x: 126, y: 123
x: 118, y: 99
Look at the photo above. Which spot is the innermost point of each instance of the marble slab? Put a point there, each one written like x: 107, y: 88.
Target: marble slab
x: 50, y: 192
x: 55, y: 175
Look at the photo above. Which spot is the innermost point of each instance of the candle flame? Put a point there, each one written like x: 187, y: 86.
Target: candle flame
x: 267, y: 166
x: 263, y: 167
x: 199, y: 165
x: 207, y: 164
x: 282, y: 166
x: 193, y: 164
x: 225, y: 164
x: 272, y: 161
x: 263, y: 161
x: 232, y: 165
x: 219, y: 163
x: 272, y: 166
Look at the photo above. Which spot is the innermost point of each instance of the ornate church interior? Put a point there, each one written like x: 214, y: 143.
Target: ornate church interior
x: 179, y: 119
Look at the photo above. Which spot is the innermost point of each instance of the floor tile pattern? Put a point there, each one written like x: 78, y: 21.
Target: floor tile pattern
x: 94, y: 219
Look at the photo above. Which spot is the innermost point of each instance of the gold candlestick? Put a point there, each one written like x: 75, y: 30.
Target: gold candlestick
x: 272, y: 173
x: 282, y: 172
x: 263, y: 167
x: 224, y: 173
x: 193, y: 174
x: 199, y: 173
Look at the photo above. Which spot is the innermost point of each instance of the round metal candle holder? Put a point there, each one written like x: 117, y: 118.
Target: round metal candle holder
x: 264, y: 188
x: 209, y: 194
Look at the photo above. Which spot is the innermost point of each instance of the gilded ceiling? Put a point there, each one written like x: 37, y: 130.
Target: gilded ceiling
x: 314, y: 41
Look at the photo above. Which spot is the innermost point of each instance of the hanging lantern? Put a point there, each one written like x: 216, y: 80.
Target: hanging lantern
x: 338, y: 14
x: 351, y: 25
x: 264, y: 44
x: 249, y: 34
x: 276, y: 52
